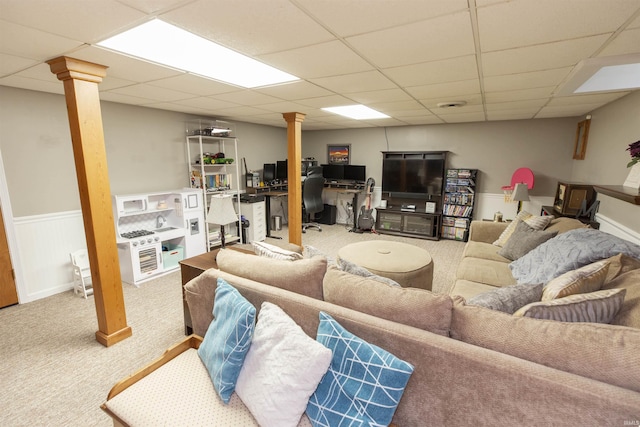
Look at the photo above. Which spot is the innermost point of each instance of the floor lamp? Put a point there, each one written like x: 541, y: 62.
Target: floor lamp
x: 520, y: 194
x: 221, y: 212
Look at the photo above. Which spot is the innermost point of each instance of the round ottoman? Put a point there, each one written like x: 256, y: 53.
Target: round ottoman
x: 408, y: 265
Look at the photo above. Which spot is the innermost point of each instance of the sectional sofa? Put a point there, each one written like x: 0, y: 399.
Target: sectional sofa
x: 472, y: 365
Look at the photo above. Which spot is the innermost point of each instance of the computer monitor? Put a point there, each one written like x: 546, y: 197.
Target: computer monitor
x: 268, y: 172
x: 281, y: 170
x: 333, y: 172
x: 355, y: 173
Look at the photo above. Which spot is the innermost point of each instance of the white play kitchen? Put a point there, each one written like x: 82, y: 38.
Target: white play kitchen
x: 155, y: 231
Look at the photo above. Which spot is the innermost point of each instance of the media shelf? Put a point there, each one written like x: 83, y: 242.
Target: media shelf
x: 410, y: 224
x: 458, y: 203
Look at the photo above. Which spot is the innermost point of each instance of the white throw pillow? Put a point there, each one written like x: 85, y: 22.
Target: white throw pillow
x: 281, y: 370
x: 275, y: 252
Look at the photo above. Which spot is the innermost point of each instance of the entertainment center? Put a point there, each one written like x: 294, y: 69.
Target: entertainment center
x: 412, y: 185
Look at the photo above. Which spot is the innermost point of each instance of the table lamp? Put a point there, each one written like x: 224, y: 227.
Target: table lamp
x: 221, y: 212
x: 520, y: 194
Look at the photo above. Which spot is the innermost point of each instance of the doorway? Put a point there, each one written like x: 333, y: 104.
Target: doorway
x: 8, y: 292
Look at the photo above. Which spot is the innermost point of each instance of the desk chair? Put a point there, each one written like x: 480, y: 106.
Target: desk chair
x: 312, y: 199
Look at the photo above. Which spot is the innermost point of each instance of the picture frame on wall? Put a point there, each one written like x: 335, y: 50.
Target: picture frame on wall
x: 339, y: 154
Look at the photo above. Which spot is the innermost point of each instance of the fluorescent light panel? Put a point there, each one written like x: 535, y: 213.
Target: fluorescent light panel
x: 166, y: 44
x: 357, y: 112
x: 606, y: 74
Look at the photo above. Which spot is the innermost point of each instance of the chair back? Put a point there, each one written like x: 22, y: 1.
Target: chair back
x: 312, y: 193
x: 80, y: 259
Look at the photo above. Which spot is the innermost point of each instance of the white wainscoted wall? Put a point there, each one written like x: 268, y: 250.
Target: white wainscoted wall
x: 44, y: 245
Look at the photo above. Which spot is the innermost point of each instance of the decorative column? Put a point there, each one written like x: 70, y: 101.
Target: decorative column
x: 294, y: 172
x: 80, y: 81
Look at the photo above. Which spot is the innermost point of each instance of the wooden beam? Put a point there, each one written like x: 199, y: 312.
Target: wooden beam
x: 294, y: 180
x: 80, y: 81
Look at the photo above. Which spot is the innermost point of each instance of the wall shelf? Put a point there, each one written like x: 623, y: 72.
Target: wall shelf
x: 620, y: 192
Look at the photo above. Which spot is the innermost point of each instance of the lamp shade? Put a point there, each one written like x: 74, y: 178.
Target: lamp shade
x: 520, y: 193
x: 221, y: 211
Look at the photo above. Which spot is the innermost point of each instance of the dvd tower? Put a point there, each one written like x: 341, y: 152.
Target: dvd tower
x: 459, y: 200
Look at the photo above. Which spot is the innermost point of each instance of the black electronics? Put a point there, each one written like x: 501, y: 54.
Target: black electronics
x: 333, y: 172
x: 306, y: 164
x: 413, y: 174
x: 355, y: 173
x: 282, y: 170
x: 251, y: 198
x: 327, y: 216
x: 268, y: 172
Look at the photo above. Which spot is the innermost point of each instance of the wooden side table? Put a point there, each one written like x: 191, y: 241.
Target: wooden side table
x: 193, y: 267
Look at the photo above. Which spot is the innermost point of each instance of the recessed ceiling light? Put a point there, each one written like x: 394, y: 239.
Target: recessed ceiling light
x: 357, y: 112
x: 166, y: 44
x: 607, y: 74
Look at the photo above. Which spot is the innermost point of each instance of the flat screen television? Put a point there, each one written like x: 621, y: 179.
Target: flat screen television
x: 333, y: 172
x: 268, y: 172
x: 416, y: 178
x: 355, y: 173
x: 282, y: 171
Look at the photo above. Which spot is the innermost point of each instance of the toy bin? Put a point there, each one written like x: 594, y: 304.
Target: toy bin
x: 171, y: 255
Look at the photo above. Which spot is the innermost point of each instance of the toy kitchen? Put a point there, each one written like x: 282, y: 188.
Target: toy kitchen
x: 155, y: 231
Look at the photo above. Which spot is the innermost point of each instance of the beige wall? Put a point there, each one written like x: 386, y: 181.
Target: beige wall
x: 145, y: 150
x: 613, y: 128
x: 497, y: 149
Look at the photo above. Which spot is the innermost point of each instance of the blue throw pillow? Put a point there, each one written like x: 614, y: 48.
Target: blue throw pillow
x: 228, y: 338
x: 363, y: 385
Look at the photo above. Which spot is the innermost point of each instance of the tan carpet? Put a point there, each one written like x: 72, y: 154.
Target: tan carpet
x: 54, y: 373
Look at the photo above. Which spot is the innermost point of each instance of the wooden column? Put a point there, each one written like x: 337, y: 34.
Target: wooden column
x: 80, y: 81
x: 294, y: 172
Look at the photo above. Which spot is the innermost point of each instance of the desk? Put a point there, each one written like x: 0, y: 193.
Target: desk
x: 268, y: 195
x: 342, y: 189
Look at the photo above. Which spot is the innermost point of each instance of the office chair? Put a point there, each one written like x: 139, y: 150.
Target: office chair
x: 312, y: 198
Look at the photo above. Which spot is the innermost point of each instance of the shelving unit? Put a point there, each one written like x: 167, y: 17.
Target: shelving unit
x: 458, y: 203
x: 214, y: 174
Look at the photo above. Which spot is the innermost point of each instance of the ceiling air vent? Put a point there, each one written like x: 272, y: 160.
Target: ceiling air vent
x: 452, y: 104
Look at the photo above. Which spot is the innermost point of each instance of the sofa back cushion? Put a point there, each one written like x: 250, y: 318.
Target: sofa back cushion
x: 303, y: 276
x: 410, y: 306
x: 602, y: 352
x: 629, y: 314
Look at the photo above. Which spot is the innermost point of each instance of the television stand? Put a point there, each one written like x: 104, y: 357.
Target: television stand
x: 398, y: 221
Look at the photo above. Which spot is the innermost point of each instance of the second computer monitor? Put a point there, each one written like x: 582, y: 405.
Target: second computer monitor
x: 281, y: 170
x: 268, y: 172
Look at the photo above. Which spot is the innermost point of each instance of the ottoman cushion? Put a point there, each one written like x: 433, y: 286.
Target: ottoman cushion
x: 408, y: 265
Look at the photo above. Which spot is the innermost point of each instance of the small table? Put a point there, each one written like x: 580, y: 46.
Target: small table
x: 408, y: 265
x: 191, y: 268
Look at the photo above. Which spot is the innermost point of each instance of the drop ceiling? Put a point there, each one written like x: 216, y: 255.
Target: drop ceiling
x: 506, y: 59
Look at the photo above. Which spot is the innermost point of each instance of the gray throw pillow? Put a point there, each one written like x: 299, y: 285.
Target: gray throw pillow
x: 352, y: 268
x: 508, y: 299
x: 523, y: 240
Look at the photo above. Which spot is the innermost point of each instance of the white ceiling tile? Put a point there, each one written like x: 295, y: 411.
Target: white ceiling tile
x: 194, y: 84
x: 357, y: 82
x: 523, y: 94
x: 124, y: 98
x: 357, y: 17
x: 445, y: 90
x: 10, y: 64
x: 418, y: 42
x: 540, y: 57
x: 326, y: 101
x: 542, y: 21
x: 510, y: 115
x: 601, y: 98
x: 154, y: 6
x: 247, y: 97
x: 30, y: 43
x: 526, y: 80
x: 532, y: 105
x: 448, y: 70
x: 386, y: 107
x: 154, y: 93
x: 422, y: 120
x: 462, y: 118
x: 294, y: 90
x: 627, y: 42
x: 32, y: 84
x: 567, y: 110
x: 252, y: 27
x: 285, y: 107
x: 89, y: 21
x: 206, y: 103
x: 320, y: 60
x: 376, y: 96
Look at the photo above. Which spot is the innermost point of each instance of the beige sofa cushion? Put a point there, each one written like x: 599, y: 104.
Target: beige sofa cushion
x: 589, y: 278
x: 468, y: 289
x: 302, y: 276
x: 620, y: 264
x: 483, y: 250
x: 603, y: 352
x: 495, y: 273
x: 410, y: 306
x: 629, y: 314
x: 564, y: 224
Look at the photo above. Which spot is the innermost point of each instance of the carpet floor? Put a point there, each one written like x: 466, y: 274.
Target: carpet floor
x: 54, y: 372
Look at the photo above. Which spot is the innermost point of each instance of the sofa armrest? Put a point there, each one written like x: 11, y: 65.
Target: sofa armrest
x: 486, y: 231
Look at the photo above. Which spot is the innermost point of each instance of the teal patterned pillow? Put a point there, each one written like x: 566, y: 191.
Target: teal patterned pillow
x: 363, y: 385
x: 228, y: 338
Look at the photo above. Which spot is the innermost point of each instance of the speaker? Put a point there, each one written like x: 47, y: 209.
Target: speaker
x: 327, y: 216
